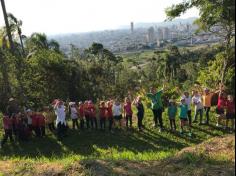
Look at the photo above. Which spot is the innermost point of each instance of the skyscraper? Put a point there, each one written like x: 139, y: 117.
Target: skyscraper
x: 159, y: 34
x: 166, y: 33
x: 132, y: 27
x: 151, y: 35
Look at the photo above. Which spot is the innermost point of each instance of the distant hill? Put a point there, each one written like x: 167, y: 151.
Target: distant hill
x: 162, y: 24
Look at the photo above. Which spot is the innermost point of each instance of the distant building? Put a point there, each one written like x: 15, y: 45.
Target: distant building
x: 158, y: 43
x: 151, y: 35
x: 132, y: 27
x: 159, y: 34
x: 166, y: 33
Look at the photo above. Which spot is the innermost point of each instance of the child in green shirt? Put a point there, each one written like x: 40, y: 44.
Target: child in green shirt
x: 172, y: 112
x: 184, y: 116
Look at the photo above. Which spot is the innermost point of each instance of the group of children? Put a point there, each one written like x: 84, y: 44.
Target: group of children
x: 114, y: 113
x: 23, y: 125
x: 202, y: 101
x: 109, y: 112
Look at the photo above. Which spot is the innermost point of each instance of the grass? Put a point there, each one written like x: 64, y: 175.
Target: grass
x: 123, y: 145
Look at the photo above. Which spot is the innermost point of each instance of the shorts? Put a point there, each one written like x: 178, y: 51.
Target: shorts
x: 118, y: 117
x: 220, y: 111
x: 171, y: 117
x: 184, y: 119
x: 230, y: 116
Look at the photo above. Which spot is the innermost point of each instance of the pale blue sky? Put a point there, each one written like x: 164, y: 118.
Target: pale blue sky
x: 70, y: 16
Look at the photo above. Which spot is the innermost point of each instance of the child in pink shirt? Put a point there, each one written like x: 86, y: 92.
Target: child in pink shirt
x: 128, y: 113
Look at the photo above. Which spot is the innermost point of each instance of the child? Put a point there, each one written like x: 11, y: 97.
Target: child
x: 41, y: 124
x: 102, y: 115
x: 184, y: 116
x: 188, y: 101
x: 172, y: 111
x: 92, y: 115
x: 139, y: 105
x: 23, y: 130
x: 87, y: 114
x: 35, y: 126
x: 81, y: 115
x: 128, y: 113
x: 74, y: 115
x: 60, y: 112
x: 197, y: 101
x: 29, y: 119
x: 230, y: 112
x: 49, y: 118
x: 7, y: 125
x: 220, y: 110
x: 19, y: 126
x: 117, y: 112
x: 110, y: 115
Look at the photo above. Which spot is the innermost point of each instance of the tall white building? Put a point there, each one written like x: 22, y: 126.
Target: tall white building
x: 151, y: 38
x: 159, y: 34
x: 166, y: 33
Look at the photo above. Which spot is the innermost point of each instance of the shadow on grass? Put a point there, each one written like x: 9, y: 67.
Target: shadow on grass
x: 98, y: 144
x: 85, y: 144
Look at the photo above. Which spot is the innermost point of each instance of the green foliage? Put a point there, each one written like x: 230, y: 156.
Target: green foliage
x: 213, y: 71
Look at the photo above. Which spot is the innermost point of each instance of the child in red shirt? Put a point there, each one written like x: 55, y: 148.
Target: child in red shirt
x: 128, y: 113
x: 230, y: 112
x: 109, y: 114
x: 220, y: 110
x: 81, y: 115
x: 7, y: 125
x: 35, y: 124
x: 92, y: 115
x: 102, y: 115
x: 41, y: 124
x: 87, y: 113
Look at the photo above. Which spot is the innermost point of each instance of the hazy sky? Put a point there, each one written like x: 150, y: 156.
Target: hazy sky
x: 66, y: 16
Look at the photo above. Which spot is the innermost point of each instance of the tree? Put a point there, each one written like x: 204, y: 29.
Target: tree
x: 38, y: 41
x: 215, y: 16
x: 168, y: 61
x: 8, y: 29
x: 15, y: 25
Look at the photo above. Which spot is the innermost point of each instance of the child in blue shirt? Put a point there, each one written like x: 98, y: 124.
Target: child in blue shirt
x: 184, y: 116
x: 172, y: 112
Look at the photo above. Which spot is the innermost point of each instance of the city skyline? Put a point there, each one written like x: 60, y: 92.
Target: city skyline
x: 57, y: 17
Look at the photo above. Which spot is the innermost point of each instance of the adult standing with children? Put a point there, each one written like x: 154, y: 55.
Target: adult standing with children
x: 157, y: 106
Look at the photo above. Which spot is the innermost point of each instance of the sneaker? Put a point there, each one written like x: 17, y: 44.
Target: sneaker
x: 217, y: 125
x: 160, y: 130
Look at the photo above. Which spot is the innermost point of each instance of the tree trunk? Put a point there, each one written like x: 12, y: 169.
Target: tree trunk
x: 21, y: 42
x: 227, y: 55
x: 7, y: 26
x: 223, y: 71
